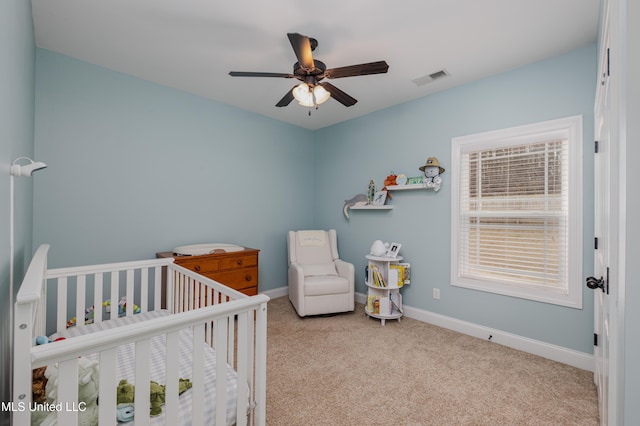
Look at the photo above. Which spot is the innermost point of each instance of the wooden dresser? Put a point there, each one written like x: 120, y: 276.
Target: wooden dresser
x: 238, y: 270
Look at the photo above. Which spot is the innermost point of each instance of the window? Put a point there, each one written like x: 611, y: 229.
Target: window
x: 517, y: 212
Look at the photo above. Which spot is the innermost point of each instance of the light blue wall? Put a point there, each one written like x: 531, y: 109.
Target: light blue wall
x: 17, y: 69
x: 136, y: 168
x: 401, y: 138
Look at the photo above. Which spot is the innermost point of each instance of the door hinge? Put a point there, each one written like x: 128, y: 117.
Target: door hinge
x: 596, y: 143
x: 595, y: 339
x: 595, y: 243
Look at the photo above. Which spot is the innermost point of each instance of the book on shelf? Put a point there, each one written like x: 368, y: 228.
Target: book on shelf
x: 385, y: 306
x: 396, y: 301
x: 376, y: 306
x: 406, y: 272
x: 392, y: 278
x: 370, y: 301
x: 377, y: 277
x: 397, y: 269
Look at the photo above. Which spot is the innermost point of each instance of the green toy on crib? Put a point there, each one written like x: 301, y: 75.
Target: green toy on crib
x: 88, y: 314
x: 126, y: 393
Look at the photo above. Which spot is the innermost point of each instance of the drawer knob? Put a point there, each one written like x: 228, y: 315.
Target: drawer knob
x: 247, y: 277
x: 197, y: 268
x: 239, y: 262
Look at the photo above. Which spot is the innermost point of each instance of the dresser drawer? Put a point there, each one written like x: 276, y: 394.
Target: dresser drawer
x: 238, y: 261
x: 238, y: 279
x: 199, y: 265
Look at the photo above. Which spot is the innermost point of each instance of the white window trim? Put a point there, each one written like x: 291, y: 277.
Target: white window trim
x: 571, y: 128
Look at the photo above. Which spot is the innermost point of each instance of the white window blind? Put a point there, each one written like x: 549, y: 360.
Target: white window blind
x: 513, y: 214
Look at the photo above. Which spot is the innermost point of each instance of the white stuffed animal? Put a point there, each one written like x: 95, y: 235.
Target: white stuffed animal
x: 432, y: 171
x: 88, y: 391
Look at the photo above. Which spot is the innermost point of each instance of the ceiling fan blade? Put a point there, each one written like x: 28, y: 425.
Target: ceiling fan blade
x: 286, y: 99
x: 339, y: 95
x: 260, y: 74
x: 379, y: 67
x: 302, y: 47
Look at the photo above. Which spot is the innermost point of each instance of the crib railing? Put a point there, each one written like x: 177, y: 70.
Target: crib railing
x: 229, y: 321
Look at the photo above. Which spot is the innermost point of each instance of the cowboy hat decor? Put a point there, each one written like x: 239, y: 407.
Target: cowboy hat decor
x: 432, y: 171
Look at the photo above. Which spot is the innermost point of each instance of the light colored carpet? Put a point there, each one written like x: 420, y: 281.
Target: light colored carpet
x: 348, y: 370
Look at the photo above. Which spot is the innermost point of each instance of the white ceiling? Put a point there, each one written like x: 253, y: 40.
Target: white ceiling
x: 193, y: 44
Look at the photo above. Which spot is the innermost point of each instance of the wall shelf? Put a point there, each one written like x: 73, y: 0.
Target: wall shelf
x: 405, y: 187
x: 373, y: 207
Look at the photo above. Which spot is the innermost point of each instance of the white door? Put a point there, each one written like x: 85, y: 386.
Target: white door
x: 603, y: 194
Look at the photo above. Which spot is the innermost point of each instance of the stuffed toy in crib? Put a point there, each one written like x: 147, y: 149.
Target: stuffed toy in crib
x: 88, y: 390
x: 88, y: 313
x: 125, y: 398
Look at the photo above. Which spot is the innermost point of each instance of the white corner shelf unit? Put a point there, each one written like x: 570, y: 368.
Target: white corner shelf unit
x: 383, y: 302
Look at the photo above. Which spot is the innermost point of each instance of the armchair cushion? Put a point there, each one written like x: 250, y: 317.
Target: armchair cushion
x: 328, y: 284
x: 319, y: 269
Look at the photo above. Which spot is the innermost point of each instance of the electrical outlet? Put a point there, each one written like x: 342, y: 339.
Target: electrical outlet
x: 436, y: 293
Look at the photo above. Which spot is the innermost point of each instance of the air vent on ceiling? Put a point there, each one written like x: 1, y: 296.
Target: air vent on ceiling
x: 430, y: 77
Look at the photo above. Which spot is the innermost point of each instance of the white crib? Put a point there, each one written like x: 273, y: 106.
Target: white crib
x: 227, y: 329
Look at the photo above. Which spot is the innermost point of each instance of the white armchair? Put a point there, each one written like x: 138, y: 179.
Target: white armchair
x: 319, y: 282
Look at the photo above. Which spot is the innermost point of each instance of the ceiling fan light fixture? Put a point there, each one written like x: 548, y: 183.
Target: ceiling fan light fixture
x: 321, y: 94
x: 308, y: 97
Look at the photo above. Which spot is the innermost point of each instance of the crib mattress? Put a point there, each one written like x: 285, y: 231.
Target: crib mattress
x: 126, y: 366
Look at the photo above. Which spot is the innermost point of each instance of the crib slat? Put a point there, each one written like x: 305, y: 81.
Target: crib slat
x: 251, y: 331
x: 260, y: 394
x: 68, y: 391
x: 182, y: 294
x: 242, y: 368
x: 61, y: 289
x: 129, y: 294
x: 115, y: 299
x: 231, y: 335
x: 81, y: 291
x: 171, y: 390
x: 144, y: 289
x: 221, y: 370
x: 107, y: 402
x: 196, y: 295
x: 142, y: 402
x: 157, y: 289
x: 197, y: 415
x: 40, y: 313
x: 97, y: 297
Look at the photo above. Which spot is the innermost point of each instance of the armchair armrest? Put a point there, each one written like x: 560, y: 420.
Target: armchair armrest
x: 296, y: 282
x: 346, y: 270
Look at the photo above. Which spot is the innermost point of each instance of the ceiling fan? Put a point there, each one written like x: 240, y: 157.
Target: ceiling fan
x: 313, y: 91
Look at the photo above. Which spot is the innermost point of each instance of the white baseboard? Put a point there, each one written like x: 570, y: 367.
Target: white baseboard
x: 571, y: 357
x: 276, y: 292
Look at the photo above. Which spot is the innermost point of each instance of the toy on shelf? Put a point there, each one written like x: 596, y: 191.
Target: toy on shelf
x: 432, y: 172
x: 390, y: 181
x: 357, y: 200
